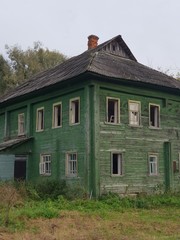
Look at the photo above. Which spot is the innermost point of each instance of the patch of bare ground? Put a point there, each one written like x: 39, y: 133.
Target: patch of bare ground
x: 130, y: 225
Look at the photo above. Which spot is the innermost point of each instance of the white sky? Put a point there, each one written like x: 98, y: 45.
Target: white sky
x: 149, y: 27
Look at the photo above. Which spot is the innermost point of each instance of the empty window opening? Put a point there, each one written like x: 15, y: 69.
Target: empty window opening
x: 74, y: 111
x: 116, y: 163
x: 154, y: 115
x: 40, y: 119
x: 57, y: 115
x: 113, y: 110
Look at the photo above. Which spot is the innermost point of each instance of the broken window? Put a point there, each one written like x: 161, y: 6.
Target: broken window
x: 113, y: 110
x: 74, y: 111
x: 21, y: 124
x: 116, y: 164
x: 154, y: 116
x: 45, y: 164
x: 134, y: 113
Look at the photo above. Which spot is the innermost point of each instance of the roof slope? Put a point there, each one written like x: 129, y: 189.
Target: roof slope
x: 110, y: 59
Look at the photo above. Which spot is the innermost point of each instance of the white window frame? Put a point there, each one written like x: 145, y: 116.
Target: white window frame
x: 40, y: 119
x: 56, y: 115
x: 119, y: 167
x: 155, y: 122
x: 134, y: 113
x: 153, y: 165
x: 74, y: 113
x: 45, y: 164
x: 71, y: 164
x: 114, y: 117
x: 21, y: 124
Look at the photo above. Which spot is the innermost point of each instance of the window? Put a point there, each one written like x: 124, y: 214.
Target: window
x: 74, y: 111
x: 116, y: 164
x: 21, y: 124
x: 113, y: 110
x: 154, y: 116
x: 134, y: 113
x: 40, y: 119
x: 71, y: 164
x: 152, y: 164
x: 57, y: 115
x: 45, y: 164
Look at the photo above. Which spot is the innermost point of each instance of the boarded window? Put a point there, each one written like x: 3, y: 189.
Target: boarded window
x: 154, y: 115
x: 113, y: 110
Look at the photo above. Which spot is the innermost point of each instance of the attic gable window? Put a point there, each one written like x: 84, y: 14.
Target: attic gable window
x: 57, y: 115
x: 21, y: 124
x: 74, y: 111
x: 113, y: 110
x: 154, y: 115
x: 134, y: 113
x: 40, y: 119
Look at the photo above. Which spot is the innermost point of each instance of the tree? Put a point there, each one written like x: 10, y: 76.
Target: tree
x: 21, y: 65
x: 4, y: 73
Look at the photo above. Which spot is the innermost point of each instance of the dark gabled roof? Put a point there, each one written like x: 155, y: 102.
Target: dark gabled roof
x: 111, y: 59
x: 13, y: 143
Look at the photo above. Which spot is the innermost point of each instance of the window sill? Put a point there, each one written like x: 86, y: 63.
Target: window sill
x: 40, y: 130
x: 57, y: 127
x: 74, y: 124
x: 117, y: 175
x: 135, y: 126
x: 155, y: 128
x: 112, y: 123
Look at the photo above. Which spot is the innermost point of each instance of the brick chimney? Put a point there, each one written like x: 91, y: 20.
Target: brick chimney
x: 92, y: 41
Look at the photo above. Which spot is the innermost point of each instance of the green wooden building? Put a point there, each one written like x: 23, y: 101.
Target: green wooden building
x: 101, y: 119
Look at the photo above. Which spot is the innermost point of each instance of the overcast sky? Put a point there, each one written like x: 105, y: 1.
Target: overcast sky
x: 149, y: 27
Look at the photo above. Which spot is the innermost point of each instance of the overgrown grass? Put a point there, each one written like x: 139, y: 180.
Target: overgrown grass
x: 42, y: 201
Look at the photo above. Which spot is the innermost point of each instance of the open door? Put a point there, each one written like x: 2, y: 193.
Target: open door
x: 20, y: 167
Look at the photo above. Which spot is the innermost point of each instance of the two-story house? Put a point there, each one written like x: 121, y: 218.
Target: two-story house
x: 101, y: 119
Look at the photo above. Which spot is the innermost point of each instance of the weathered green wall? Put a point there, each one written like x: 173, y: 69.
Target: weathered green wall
x: 136, y: 142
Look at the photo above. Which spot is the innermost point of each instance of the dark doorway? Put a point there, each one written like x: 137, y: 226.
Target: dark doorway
x: 20, y: 168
